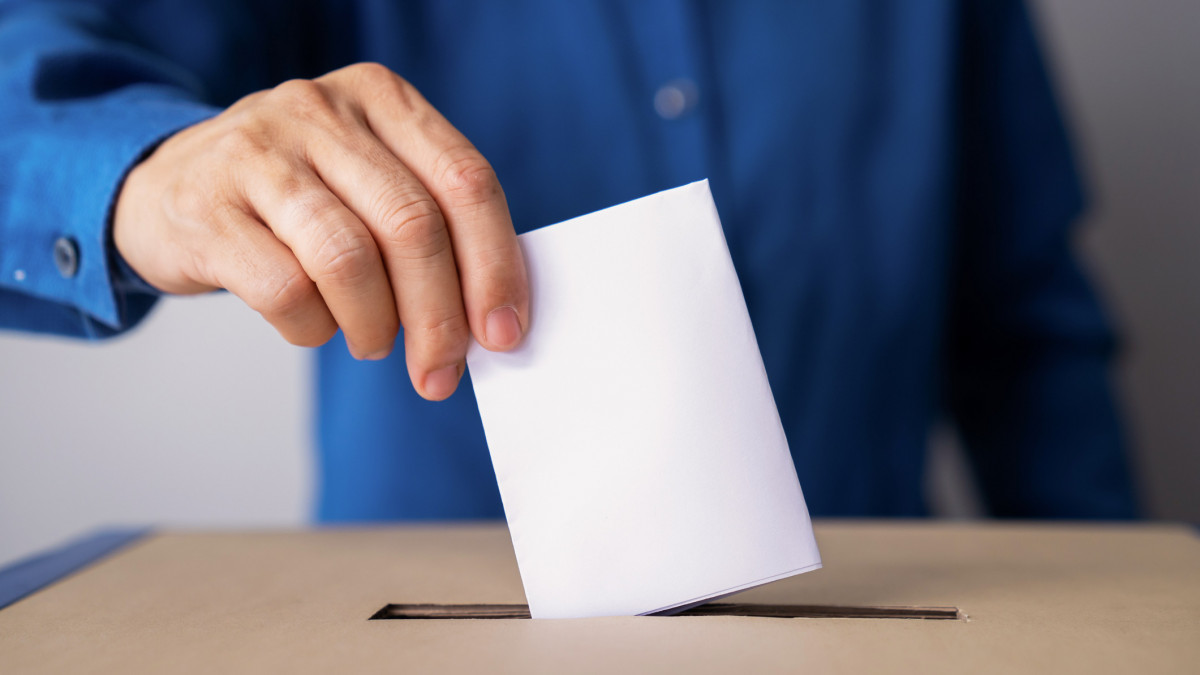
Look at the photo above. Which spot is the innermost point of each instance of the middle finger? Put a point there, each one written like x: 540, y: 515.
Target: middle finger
x: 335, y: 249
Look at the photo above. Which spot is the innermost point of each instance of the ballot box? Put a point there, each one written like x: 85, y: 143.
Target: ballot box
x: 893, y: 597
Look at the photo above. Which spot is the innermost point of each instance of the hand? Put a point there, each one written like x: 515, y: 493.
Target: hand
x: 341, y: 202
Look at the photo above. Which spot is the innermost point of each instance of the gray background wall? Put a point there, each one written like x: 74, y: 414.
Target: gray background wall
x: 200, y: 418
x: 1130, y: 76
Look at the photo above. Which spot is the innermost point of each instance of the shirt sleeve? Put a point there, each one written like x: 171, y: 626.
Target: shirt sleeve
x: 1029, y: 345
x: 79, y: 107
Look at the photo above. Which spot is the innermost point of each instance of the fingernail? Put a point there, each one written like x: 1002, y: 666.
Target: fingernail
x: 503, y: 329
x: 441, y: 383
x: 373, y: 356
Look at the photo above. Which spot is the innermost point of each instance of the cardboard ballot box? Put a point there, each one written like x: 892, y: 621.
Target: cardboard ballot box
x: 998, y: 597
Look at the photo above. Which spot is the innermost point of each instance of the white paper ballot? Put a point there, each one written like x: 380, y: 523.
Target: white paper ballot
x: 639, y: 452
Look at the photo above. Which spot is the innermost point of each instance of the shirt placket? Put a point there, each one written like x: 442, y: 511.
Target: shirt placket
x: 668, y: 35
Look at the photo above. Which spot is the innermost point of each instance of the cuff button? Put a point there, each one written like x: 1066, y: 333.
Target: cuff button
x: 66, y: 257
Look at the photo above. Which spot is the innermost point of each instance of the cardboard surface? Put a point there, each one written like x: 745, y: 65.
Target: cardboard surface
x: 1041, y: 598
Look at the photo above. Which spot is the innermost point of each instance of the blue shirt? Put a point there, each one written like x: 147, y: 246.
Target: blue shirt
x: 893, y: 178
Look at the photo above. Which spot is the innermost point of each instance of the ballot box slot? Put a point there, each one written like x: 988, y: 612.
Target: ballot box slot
x: 435, y: 611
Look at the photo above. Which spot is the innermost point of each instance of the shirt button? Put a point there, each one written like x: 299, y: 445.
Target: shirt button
x: 66, y: 257
x: 675, y: 98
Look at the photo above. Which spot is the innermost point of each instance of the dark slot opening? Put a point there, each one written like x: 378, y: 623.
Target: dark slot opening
x: 430, y: 611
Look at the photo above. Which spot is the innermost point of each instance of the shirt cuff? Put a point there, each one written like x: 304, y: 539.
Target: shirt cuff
x: 58, y: 236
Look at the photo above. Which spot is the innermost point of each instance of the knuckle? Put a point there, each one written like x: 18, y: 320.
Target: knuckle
x: 198, y: 216
x: 306, y: 203
x: 415, y: 226
x: 373, y: 73
x: 294, y: 192
x: 244, y: 142
x: 471, y: 179
x: 298, y: 90
x: 292, y: 205
x: 306, y: 99
x: 284, y: 295
x: 345, y: 256
x: 377, y: 83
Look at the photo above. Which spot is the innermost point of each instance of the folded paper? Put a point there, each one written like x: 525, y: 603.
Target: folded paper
x: 639, y: 453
